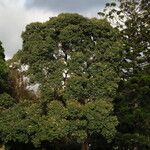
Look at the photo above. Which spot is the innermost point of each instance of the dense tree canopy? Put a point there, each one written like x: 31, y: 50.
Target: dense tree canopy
x: 3, y: 70
x: 77, y: 80
x: 132, y: 18
x: 132, y: 107
x: 5, y: 99
x: 72, y: 59
x: 132, y: 102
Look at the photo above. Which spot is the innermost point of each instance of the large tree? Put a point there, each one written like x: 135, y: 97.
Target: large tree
x: 132, y: 103
x: 133, y: 20
x: 3, y: 70
x: 72, y: 59
x: 6, y: 101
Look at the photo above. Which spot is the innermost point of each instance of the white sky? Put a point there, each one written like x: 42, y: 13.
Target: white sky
x: 16, y: 14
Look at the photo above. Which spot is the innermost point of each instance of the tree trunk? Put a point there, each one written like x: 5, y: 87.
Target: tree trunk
x: 135, y: 148
x: 2, y: 148
x: 85, y: 146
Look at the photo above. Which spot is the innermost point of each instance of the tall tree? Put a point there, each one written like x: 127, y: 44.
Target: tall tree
x: 73, y: 60
x: 132, y: 18
x: 3, y: 70
x: 132, y: 107
x: 5, y: 99
x: 132, y: 103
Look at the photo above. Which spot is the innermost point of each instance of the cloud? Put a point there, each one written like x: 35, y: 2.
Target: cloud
x: 16, y: 14
x: 66, y: 5
x: 13, y: 19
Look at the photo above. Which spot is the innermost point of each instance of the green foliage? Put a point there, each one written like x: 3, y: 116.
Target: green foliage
x: 132, y: 18
x: 6, y: 101
x: 132, y: 102
x: 2, y: 56
x: 3, y: 71
x: 73, y: 59
x: 25, y: 122
x: 98, y: 118
x: 132, y: 108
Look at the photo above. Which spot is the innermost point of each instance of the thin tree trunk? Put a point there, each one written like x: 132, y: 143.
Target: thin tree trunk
x: 85, y: 146
x: 135, y: 148
x: 2, y: 148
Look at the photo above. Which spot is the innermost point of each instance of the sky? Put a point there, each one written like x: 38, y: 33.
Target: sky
x: 16, y: 14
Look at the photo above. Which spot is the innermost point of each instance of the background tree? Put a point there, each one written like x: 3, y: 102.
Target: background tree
x: 3, y: 70
x: 132, y: 103
x: 132, y: 18
x: 73, y: 59
x: 6, y: 101
x: 20, y: 89
x: 13, y: 90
